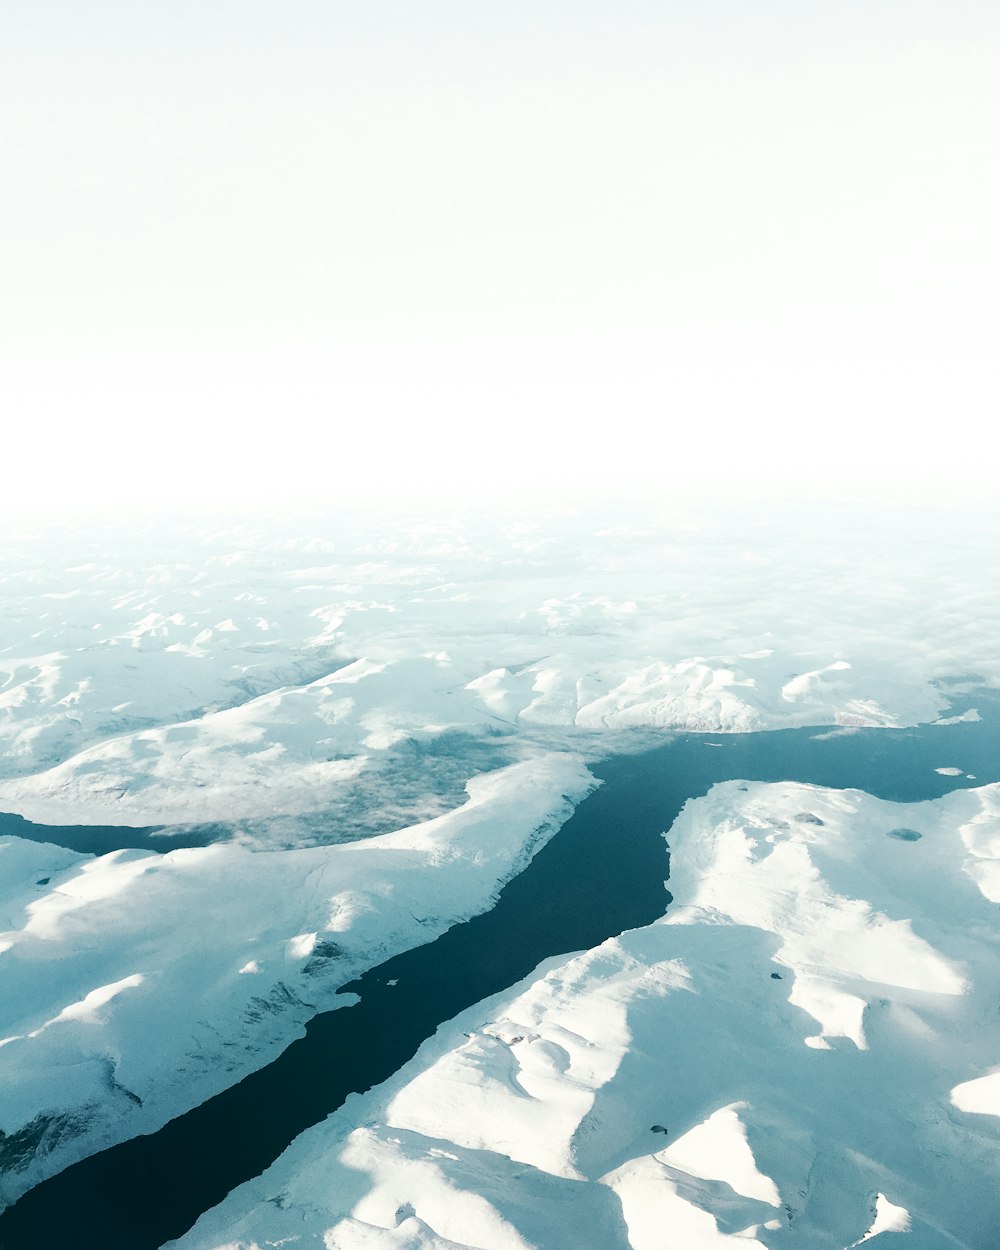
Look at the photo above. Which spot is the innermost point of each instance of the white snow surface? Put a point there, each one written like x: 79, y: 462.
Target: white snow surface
x: 980, y: 1096
x: 165, y: 978
x: 254, y: 670
x: 668, y: 1091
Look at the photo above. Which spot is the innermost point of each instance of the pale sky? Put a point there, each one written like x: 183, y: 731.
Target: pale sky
x: 299, y: 249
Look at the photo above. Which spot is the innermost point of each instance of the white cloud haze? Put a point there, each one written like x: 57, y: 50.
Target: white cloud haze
x: 269, y: 251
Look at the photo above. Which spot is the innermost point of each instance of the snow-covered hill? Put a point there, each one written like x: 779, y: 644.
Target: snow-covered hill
x: 240, y: 673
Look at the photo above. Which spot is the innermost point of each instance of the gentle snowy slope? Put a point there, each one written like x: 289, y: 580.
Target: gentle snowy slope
x: 136, y: 985
x: 802, y: 1054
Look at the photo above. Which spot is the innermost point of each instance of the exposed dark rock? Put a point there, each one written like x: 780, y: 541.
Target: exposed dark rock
x: 279, y: 999
x: 322, y: 954
x: 40, y: 1137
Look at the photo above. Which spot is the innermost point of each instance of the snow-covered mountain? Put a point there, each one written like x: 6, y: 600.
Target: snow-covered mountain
x: 802, y: 1053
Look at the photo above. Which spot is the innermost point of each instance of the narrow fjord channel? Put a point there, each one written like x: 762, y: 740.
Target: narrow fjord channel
x: 602, y: 873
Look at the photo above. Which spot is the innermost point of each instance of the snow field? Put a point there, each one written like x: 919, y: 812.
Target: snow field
x: 258, y: 670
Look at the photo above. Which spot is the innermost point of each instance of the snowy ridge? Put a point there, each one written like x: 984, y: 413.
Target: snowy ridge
x: 137, y: 985
x: 802, y: 1053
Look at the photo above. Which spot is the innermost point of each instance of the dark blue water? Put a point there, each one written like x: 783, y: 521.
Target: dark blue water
x: 604, y: 872
x: 102, y: 839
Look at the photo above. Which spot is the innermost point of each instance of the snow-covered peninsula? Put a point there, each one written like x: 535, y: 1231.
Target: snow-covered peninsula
x: 137, y: 985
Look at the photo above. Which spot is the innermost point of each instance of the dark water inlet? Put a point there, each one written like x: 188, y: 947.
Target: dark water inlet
x: 601, y: 874
x: 103, y: 839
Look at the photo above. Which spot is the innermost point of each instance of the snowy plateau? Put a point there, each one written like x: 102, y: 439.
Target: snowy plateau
x: 371, y: 726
